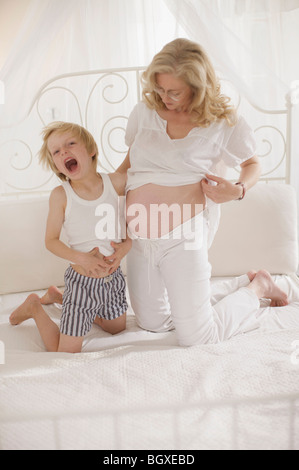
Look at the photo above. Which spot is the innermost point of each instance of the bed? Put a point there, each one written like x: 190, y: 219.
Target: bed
x: 138, y: 390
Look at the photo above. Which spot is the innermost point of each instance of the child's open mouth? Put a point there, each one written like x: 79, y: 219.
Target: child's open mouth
x: 71, y: 164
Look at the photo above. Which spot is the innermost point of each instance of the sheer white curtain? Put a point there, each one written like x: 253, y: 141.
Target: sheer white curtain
x: 252, y: 42
x: 68, y: 36
x: 74, y: 35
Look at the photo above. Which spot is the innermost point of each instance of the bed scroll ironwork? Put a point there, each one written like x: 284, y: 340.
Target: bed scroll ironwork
x: 101, y: 100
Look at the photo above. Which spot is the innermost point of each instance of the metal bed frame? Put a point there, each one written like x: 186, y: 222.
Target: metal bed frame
x: 101, y: 100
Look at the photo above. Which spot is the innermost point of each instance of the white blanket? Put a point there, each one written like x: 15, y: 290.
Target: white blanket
x: 138, y: 390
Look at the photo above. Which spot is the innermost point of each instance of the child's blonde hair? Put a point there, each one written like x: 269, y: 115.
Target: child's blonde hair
x: 61, y: 127
x: 187, y: 61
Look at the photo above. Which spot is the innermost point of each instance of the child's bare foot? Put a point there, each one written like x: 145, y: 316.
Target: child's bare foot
x: 264, y: 286
x: 52, y: 296
x: 25, y: 310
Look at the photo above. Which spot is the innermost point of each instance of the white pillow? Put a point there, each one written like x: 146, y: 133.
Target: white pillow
x: 259, y: 232
x: 25, y: 262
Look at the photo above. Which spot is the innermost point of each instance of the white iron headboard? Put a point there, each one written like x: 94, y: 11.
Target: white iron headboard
x: 101, y: 101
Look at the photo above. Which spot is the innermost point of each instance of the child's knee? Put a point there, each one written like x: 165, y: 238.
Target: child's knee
x: 113, y: 326
x: 117, y: 330
x: 119, y: 325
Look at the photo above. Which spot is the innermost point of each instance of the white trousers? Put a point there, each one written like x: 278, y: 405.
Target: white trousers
x: 169, y: 288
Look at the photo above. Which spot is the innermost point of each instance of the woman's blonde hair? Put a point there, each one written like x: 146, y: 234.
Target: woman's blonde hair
x: 187, y: 61
x: 61, y: 127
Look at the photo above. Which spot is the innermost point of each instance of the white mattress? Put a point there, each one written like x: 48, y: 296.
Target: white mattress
x: 139, y: 390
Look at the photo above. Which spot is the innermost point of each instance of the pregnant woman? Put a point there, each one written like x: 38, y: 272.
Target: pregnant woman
x: 177, y: 136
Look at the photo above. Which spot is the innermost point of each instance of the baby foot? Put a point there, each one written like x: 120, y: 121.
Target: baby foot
x: 52, y: 296
x: 25, y: 310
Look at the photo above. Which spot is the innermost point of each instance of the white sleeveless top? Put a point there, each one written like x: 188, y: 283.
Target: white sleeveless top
x: 90, y: 224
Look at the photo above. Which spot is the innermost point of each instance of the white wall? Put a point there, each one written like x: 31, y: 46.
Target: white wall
x: 11, y: 16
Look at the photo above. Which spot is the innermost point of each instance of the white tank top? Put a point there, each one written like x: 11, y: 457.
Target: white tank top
x: 90, y: 224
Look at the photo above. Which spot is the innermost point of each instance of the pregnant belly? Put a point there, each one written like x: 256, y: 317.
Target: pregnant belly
x: 154, y: 211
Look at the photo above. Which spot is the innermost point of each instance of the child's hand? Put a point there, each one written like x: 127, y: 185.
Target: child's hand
x: 120, y: 251
x: 94, y: 263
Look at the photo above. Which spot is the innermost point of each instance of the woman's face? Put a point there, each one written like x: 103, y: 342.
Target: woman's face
x: 174, y: 92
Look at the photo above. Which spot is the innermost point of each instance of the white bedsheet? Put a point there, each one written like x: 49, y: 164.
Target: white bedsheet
x: 139, y: 390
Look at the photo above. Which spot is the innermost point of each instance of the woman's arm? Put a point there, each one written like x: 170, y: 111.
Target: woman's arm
x: 123, y: 168
x: 250, y: 172
x: 225, y: 191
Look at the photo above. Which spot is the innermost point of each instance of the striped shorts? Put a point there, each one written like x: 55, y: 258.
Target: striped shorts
x: 85, y: 298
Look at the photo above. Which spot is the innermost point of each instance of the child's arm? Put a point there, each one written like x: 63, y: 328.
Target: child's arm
x: 91, y: 263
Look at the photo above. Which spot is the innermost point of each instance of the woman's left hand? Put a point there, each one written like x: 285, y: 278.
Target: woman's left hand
x: 120, y: 251
x: 223, y: 191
